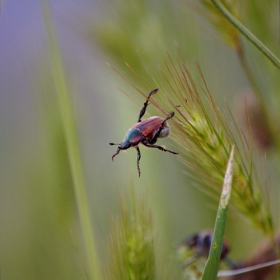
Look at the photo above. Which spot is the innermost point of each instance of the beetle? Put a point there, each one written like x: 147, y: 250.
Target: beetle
x: 200, y: 244
x: 145, y: 132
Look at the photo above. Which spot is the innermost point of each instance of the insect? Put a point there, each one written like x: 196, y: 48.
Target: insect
x: 200, y: 245
x: 145, y: 132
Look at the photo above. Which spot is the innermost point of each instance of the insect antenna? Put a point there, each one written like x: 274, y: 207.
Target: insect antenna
x: 113, y: 144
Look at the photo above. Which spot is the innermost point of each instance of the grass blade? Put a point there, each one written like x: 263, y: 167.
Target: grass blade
x: 212, y: 264
x: 70, y: 134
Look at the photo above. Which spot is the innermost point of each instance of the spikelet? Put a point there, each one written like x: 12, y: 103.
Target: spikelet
x: 131, y: 247
x: 206, y: 138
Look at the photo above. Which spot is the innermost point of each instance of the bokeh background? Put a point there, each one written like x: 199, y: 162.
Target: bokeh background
x: 40, y: 236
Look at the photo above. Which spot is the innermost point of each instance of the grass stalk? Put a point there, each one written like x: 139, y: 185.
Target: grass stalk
x: 70, y: 134
x: 212, y: 264
x: 132, y: 244
x: 247, y: 33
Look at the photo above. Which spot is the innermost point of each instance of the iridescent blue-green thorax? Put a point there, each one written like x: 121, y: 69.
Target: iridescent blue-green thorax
x: 133, y: 136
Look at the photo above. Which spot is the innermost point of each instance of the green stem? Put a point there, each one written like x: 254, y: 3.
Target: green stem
x: 247, y: 33
x: 213, y: 261
x: 70, y: 133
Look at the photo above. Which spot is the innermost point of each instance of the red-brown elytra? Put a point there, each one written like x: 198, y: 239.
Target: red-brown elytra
x: 145, y: 132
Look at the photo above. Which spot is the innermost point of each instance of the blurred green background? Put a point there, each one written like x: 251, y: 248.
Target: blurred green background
x: 40, y: 236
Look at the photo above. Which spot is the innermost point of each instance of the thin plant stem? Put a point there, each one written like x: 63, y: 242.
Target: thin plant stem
x: 70, y: 133
x: 225, y: 273
x: 247, y: 33
x: 212, y: 264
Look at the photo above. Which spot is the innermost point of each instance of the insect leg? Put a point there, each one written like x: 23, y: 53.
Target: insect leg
x: 143, y: 110
x: 118, y: 150
x: 158, y: 147
x: 138, y: 159
x: 157, y: 133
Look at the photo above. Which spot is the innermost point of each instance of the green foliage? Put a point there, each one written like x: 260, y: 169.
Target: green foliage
x: 131, y: 248
x: 203, y: 132
x: 140, y: 33
x: 208, y: 137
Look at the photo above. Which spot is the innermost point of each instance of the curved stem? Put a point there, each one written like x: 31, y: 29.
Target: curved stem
x: 247, y: 33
